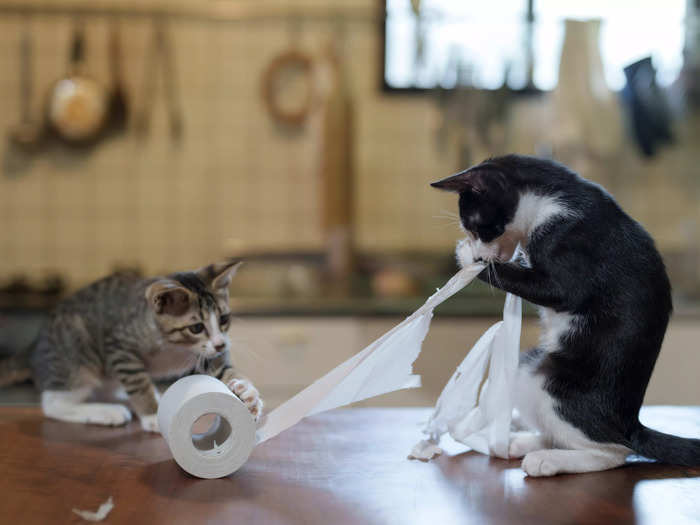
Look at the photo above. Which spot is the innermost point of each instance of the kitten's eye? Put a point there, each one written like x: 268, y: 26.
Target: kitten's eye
x: 224, y: 319
x: 196, y: 328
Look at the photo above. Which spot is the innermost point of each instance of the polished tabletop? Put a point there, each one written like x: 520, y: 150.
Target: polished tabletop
x: 345, y: 466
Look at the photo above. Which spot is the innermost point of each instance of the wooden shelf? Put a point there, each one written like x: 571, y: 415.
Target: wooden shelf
x: 224, y: 11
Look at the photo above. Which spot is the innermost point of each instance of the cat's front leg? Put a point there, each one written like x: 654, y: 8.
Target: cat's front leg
x: 145, y: 404
x: 529, y: 283
x: 220, y: 368
x: 131, y: 372
x: 541, y: 463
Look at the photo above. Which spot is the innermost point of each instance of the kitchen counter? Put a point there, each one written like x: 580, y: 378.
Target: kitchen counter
x: 464, y: 306
x: 482, y: 305
x: 342, y: 467
x: 366, y: 306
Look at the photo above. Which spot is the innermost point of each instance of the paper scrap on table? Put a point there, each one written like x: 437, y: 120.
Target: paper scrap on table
x: 384, y: 366
x: 475, y: 412
x: 99, y: 514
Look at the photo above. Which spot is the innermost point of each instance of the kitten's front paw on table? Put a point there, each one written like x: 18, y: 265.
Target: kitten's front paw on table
x: 107, y: 414
x: 246, y: 392
x: 150, y: 423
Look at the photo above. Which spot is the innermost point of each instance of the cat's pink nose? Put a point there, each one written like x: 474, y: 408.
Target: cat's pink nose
x: 220, y: 347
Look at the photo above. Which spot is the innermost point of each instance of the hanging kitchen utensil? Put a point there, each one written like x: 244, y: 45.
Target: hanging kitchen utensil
x: 25, y: 137
x: 118, y: 110
x: 278, y: 67
x: 281, y: 67
x: 77, y: 103
x: 160, y: 55
x: 172, y: 99
x: 647, y: 108
x: 420, y: 37
x: 27, y: 134
x: 335, y: 149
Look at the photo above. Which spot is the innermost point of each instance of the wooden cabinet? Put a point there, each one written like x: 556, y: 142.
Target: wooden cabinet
x: 285, y: 354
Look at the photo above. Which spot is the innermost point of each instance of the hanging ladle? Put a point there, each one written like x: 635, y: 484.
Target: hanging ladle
x: 28, y: 132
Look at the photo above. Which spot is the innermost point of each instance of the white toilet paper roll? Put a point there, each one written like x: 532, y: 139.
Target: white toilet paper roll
x: 225, y: 446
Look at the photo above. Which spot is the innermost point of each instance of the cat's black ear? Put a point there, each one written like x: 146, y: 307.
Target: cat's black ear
x: 476, y: 180
x: 168, y: 298
x: 218, y: 276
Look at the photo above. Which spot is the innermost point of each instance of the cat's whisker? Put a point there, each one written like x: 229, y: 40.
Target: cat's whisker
x: 449, y: 224
x: 491, y: 274
x: 241, y: 345
x: 488, y: 273
x: 450, y: 218
x: 450, y: 213
x: 450, y: 221
x: 499, y: 285
x: 199, y: 366
x: 185, y: 359
x: 250, y: 359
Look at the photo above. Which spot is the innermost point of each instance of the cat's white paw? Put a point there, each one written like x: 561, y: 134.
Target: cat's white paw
x: 539, y: 463
x: 246, y: 392
x: 150, y: 423
x: 107, y: 414
x: 522, y: 443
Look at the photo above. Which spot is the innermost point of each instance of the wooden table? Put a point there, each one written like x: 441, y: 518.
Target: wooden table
x: 346, y: 466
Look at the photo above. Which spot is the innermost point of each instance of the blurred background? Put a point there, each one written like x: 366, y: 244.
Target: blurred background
x: 302, y: 134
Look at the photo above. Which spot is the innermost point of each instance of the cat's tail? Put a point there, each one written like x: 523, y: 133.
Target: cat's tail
x: 666, y: 448
x: 16, y: 368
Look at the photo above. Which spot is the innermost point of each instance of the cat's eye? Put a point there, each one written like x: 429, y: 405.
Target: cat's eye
x: 196, y: 328
x: 224, y: 319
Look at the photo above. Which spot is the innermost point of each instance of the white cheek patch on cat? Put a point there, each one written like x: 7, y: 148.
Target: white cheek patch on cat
x: 383, y: 366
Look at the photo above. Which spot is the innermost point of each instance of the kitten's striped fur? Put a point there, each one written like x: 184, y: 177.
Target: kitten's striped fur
x: 124, y: 331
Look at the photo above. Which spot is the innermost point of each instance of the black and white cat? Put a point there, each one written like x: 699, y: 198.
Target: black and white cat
x: 605, y: 302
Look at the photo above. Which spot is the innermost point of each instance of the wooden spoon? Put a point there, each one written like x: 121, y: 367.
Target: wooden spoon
x: 28, y: 132
x: 118, y: 111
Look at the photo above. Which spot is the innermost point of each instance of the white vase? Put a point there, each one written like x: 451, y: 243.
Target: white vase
x: 586, y: 112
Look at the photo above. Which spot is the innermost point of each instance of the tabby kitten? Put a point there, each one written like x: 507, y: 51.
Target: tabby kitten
x: 605, y: 302
x: 125, y: 331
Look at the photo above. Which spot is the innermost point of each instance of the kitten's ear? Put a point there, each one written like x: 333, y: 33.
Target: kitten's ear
x: 218, y: 276
x: 168, y: 297
x: 476, y: 180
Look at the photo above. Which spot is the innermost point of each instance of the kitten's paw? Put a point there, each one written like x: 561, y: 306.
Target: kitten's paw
x: 539, y: 464
x: 246, y: 392
x: 150, y: 423
x: 522, y: 443
x: 107, y: 414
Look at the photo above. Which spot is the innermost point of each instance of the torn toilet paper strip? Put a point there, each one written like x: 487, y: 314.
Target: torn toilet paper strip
x: 383, y: 366
x: 477, y: 412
